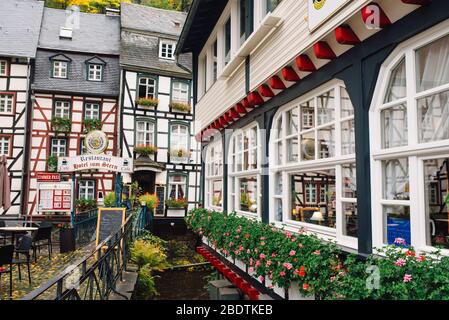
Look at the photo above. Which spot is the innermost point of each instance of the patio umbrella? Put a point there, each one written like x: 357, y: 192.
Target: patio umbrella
x: 5, y: 188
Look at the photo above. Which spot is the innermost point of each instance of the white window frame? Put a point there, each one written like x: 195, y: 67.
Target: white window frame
x: 5, y: 145
x: 177, y: 184
x: 148, y: 83
x: 6, y: 102
x: 415, y: 152
x: 180, y: 91
x: 235, y: 175
x: 60, y: 69
x: 147, y: 133
x: 214, y: 174
x: 167, y: 49
x: 177, y: 139
x: 92, y: 110
x: 62, y: 109
x: 59, y: 144
x: 3, y: 67
x: 94, y: 72
x: 286, y: 169
x: 86, y: 186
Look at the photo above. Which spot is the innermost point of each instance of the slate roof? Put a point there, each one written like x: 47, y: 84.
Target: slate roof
x: 138, y: 17
x: 20, y: 21
x: 95, y: 33
x: 142, y: 27
x: 76, y: 82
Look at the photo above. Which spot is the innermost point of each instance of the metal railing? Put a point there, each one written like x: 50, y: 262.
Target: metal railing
x: 85, y: 225
x: 94, y: 276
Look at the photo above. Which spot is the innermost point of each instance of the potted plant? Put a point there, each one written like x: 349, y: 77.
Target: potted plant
x: 147, y: 102
x: 67, y: 242
x: 61, y: 124
x: 145, y: 150
x: 109, y: 200
x: 151, y: 201
x: 91, y: 125
x: 52, y: 163
x: 176, y: 203
x: 180, y: 106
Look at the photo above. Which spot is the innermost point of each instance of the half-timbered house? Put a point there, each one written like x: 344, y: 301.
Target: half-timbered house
x: 20, y: 22
x: 157, y: 114
x: 75, y: 89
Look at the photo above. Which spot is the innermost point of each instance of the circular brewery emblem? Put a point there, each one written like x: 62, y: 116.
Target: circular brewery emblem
x: 318, y: 4
x: 96, y: 142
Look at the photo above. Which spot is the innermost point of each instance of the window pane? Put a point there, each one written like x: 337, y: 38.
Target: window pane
x: 307, y: 115
x: 278, y: 209
x: 217, y: 191
x: 292, y: 121
x: 308, y: 146
x: 293, y: 149
x: 313, y: 198
x: 349, y: 219
x: 397, y: 87
x: 433, y: 117
x: 272, y: 4
x: 278, y: 184
x: 394, y: 127
x: 349, y: 182
x: 432, y: 65
x: 279, y: 153
x: 347, y: 137
x: 346, y: 105
x: 396, y: 179
x: 248, y: 194
x: 326, y: 107
x: 397, y: 225
x: 326, y: 142
x: 228, y: 41
x: 436, y: 186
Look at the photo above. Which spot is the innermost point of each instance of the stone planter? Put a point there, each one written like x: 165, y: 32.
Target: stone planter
x: 176, y: 212
x: 67, y: 241
x: 279, y: 291
x: 239, y: 264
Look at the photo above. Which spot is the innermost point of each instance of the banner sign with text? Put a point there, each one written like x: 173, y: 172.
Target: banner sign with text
x: 95, y: 162
x: 322, y: 10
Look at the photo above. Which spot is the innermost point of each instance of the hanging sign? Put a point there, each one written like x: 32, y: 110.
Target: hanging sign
x: 54, y: 197
x: 322, y: 10
x: 96, y: 142
x: 95, y: 162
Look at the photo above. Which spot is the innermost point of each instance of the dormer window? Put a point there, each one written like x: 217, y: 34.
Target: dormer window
x: 167, y: 50
x: 95, y: 72
x: 3, y: 67
x: 60, y: 69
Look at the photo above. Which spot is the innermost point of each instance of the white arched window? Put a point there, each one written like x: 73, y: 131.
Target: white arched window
x: 214, y: 176
x: 312, y: 165
x: 244, y: 172
x: 409, y: 123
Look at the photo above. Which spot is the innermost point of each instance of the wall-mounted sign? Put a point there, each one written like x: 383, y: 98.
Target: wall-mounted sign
x: 54, y: 197
x: 95, y: 162
x: 48, y: 177
x: 96, y: 142
x: 322, y: 10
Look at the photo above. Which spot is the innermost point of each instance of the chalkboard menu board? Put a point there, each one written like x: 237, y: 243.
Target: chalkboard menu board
x: 110, y: 220
x: 160, y: 193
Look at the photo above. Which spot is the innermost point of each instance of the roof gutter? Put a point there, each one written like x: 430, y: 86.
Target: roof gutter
x: 187, y: 25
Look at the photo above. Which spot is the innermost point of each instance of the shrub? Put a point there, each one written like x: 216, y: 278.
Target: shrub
x: 52, y: 163
x: 63, y: 125
x: 146, y: 284
x: 109, y: 199
x: 147, y: 102
x: 148, y: 254
x: 145, y: 150
x: 150, y: 200
x: 91, y: 125
x: 180, y: 106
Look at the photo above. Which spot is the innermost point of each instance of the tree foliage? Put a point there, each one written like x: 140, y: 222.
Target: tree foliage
x: 98, y: 6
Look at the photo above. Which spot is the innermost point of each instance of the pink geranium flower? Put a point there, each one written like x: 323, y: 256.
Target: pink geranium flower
x: 317, y: 252
x: 268, y: 263
x: 287, y: 265
x: 400, y: 262
x: 292, y: 253
x: 408, y: 278
x: 251, y: 270
x: 282, y: 274
x: 262, y: 256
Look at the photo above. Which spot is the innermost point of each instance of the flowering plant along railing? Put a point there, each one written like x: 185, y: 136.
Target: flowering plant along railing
x: 147, y: 102
x: 180, y: 106
x: 61, y: 124
x: 91, y: 125
x: 321, y: 268
x: 145, y: 150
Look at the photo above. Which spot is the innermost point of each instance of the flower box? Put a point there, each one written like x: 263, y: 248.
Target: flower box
x: 145, y: 150
x: 240, y: 264
x: 176, y: 212
x: 147, y: 103
x: 180, y: 107
x: 61, y: 125
x: 279, y: 291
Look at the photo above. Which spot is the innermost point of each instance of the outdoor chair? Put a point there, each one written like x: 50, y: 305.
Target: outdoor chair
x: 3, y: 235
x: 6, y: 257
x: 41, y: 238
x: 23, y: 247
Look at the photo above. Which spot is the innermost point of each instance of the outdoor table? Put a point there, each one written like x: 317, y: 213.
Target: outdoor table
x: 16, y: 230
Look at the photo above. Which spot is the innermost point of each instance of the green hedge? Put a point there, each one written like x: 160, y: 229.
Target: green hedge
x: 321, y: 268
